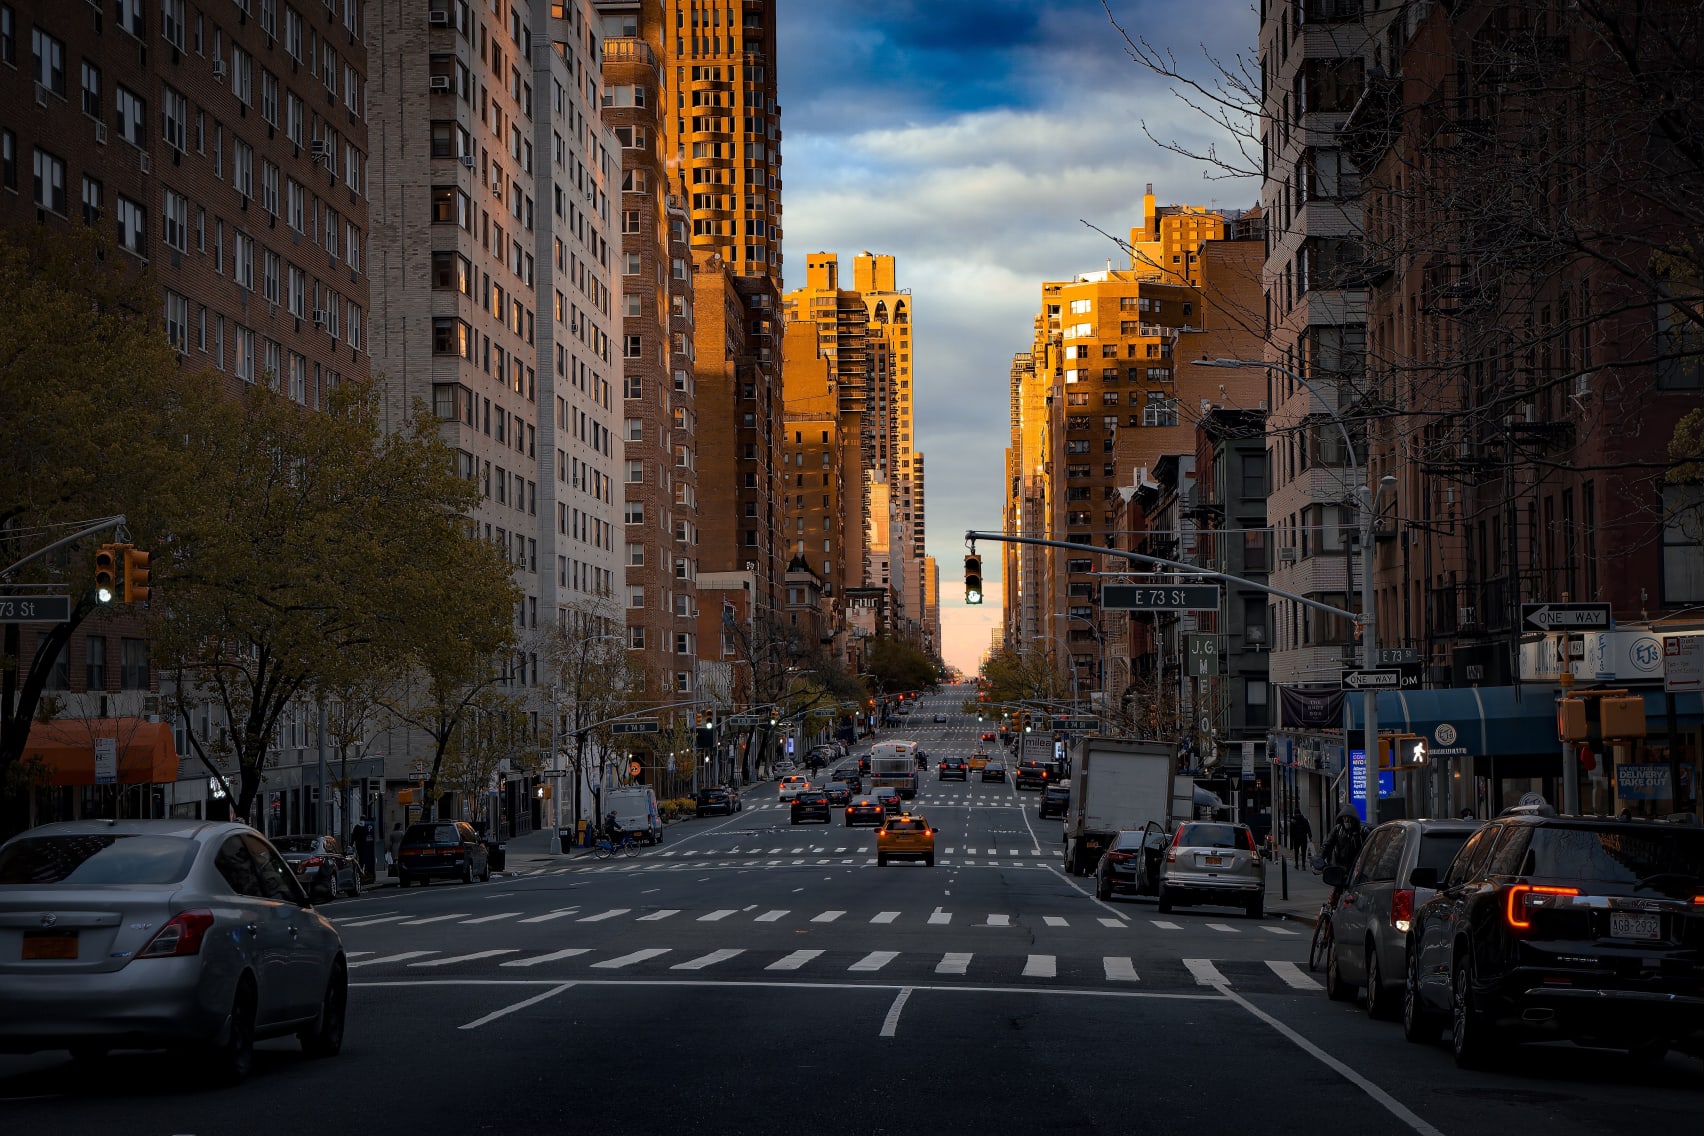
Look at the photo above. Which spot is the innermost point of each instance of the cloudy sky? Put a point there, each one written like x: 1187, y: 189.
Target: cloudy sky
x: 972, y: 139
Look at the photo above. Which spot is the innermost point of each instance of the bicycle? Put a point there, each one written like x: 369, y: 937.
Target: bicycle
x: 1320, y: 949
x: 605, y: 848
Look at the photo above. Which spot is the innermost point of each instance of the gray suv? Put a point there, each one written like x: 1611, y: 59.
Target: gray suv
x: 1213, y: 862
x: 1369, y: 925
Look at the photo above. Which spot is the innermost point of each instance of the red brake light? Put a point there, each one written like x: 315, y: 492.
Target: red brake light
x: 1248, y: 835
x: 313, y: 862
x: 1119, y: 855
x: 181, y: 936
x: 1401, y: 908
x: 1521, y: 898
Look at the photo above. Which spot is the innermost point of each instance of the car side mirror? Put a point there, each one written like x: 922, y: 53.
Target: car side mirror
x: 1335, y: 876
x: 1423, y: 878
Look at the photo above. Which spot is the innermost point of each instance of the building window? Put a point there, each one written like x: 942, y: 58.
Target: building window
x: 94, y: 662
x: 48, y: 57
x: 132, y: 115
x: 133, y: 664
x: 132, y: 226
x: 177, y: 322
x: 49, y: 182
x: 91, y: 89
x: 91, y: 200
x: 8, y: 159
x: 450, y: 337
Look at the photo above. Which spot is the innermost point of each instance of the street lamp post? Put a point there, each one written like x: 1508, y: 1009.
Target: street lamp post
x: 1100, y: 644
x: 1364, y: 496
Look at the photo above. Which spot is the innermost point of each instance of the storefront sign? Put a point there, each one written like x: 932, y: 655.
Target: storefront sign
x: 1683, y: 663
x: 1444, y: 739
x: 1310, y: 709
x: 106, y: 761
x: 1643, y: 782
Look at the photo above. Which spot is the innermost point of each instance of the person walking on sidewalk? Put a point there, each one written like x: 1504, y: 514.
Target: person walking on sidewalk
x: 393, y: 848
x: 1300, y: 833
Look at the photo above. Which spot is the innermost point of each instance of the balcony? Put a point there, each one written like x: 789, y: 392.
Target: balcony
x: 625, y: 49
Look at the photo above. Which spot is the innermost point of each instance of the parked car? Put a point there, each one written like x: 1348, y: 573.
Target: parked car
x: 1549, y: 927
x: 716, y: 799
x: 812, y: 804
x: 994, y: 771
x: 163, y: 934
x: 905, y: 837
x: 1213, y: 862
x: 321, y: 864
x: 792, y: 786
x: 864, y: 810
x: 1054, y: 798
x: 1123, y: 866
x: 953, y: 767
x: 443, y: 849
x: 1369, y: 926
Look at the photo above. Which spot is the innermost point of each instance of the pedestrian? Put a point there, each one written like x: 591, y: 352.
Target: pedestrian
x: 393, y: 848
x: 364, y: 847
x: 1467, y: 814
x: 1300, y: 833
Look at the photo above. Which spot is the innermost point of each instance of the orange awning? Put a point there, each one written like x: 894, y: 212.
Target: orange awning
x: 146, y: 755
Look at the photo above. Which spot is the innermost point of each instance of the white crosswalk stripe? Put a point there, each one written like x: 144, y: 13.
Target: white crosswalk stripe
x: 658, y: 915
x: 716, y: 916
x: 884, y: 917
x: 631, y: 958
x: 998, y: 921
x: 475, y: 956
x: 771, y: 916
x: 1041, y: 966
x: 953, y: 962
x: 1119, y: 968
x: 602, y: 915
x: 1206, y: 974
x: 551, y: 915
x: 1109, y: 922
x: 827, y: 916
x: 491, y: 918
x: 553, y: 956
x: 356, y: 954
x: 710, y: 959
x: 793, y: 961
x: 939, y: 918
x: 1293, y: 975
x: 374, y: 922
x: 875, y: 960
x: 402, y: 956
x: 1225, y: 927
x: 1165, y: 926
x: 1055, y: 921
x: 1278, y: 930
x: 436, y: 919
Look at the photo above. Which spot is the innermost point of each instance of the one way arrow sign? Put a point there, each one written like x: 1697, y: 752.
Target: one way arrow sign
x: 1566, y: 616
x: 1372, y: 680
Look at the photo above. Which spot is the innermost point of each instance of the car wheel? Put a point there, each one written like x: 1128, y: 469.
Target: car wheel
x: 1418, y: 1024
x: 467, y: 871
x: 1256, y: 907
x: 485, y: 875
x: 331, y: 890
x: 355, y: 884
x: 231, y: 1061
x: 881, y: 861
x: 929, y: 860
x: 1378, y: 996
x: 1335, y: 987
x: 1165, y: 900
x: 1470, y: 1031
x: 402, y: 879
x: 325, y: 1037
x: 1103, y: 890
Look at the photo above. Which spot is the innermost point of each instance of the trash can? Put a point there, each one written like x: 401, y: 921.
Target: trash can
x: 498, y: 854
x: 564, y: 840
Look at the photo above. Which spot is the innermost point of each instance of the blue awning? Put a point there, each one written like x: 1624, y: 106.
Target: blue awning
x: 1491, y: 721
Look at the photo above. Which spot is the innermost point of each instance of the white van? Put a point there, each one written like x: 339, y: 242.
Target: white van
x: 635, y: 809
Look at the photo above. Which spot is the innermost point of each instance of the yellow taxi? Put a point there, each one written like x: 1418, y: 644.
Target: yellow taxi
x: 905, y: 837
x: 979, y: 759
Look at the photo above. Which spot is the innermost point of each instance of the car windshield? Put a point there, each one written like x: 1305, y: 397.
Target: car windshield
x: 1652, y: 856
x: 1210, y: 836
x: 97, y: 858
x: 432, y: 834
x: 1127, y: 839
x: 1437, y: 849
x: 294, y: 844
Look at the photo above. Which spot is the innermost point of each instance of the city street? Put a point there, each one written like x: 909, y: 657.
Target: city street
x: 752, y: 976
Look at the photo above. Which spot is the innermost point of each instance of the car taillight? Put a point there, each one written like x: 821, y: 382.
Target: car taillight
x: 181, y: 936
x: 1171, y: 850
x: 1523, y: 898
x: 1119, y: 856
x: 1401, y: 908
x: 455, y: 850
x: 1248, y: 835
x: 313, y: 862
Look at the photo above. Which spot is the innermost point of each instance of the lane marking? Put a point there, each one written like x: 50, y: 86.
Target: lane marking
x: 1105, y: 922
x: 553, y: 956
x: 716, y: 916
x: 404, y: 956
x: 1165, y: 926
x: 492, y: 918
x: 374, y: 922
x: 1041, y: 966
x: 1055, y: 920
x: 521, y: 1005
x: 875, y: 960
x: 884, y: 917
x: 793, y: 961
x: 546, y: 918
x: 1293, y: 974
x: 770, y: 916
x: 953, y: 962
x: 1119, y: 968
x: 891, y: 1022
x: 660, y: 914
x: 631, y: 959
x: 1225, y: 927
x: 710, y: 959
x: 602, y: 915
x: 1206, y: 974
x: 998, y: 921
x: 940, y: 918
x: 437, y: 919
x: 827, y: 917
x: 476, y: 955
x: 1279, y: 930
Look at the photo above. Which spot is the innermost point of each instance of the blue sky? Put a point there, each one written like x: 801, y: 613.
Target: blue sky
x: 972, y: 139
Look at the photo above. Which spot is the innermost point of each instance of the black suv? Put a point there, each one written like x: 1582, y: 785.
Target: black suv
x: 1055, y: 795
x: 812, y: 804
x: 1033, y: 774
x: 953, y: 767
x: 1550, y: 927
x: 716, y: 799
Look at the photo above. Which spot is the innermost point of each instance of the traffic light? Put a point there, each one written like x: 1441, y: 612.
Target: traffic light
x: 136, y: 574
x: 106, y: 573
x: 973, y: 579
x: 1402, y: 751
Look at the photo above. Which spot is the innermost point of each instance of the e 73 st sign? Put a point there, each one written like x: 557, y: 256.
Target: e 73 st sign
x: 1173, y: 597
x: 35, y: 609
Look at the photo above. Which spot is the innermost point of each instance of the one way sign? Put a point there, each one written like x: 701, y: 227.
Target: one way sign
x: 1566, y: 616
x: 1372, y: 680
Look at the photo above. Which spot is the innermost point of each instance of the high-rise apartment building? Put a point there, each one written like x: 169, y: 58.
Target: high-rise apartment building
x: 496, y: 285
x: 224, y: 149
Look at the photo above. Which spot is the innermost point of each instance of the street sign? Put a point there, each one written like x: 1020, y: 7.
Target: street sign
x: 1176, y: 597
x: 1566, y: 616
x: 747, y: 720
x: 1372, y: 680
x: 1683, y: 663
x: 1204, y: 654
x: 106, y: 761
x: 1078, y: 724
x: 35, y: 609
x: 637, y: 726
x: 1398, y: 656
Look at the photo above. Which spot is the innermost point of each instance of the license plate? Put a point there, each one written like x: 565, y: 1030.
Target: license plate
x: 1626, y: 926
x: 50, y: 945
x: 1215, y: 861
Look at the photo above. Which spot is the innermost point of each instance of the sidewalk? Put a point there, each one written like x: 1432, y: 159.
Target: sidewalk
x: 1307, y: 892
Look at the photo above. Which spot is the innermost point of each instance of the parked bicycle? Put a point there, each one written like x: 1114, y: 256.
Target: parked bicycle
x: 605, y: 847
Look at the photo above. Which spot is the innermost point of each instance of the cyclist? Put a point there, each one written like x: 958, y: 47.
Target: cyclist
x: 613, y: 832
x: 1343, y: 843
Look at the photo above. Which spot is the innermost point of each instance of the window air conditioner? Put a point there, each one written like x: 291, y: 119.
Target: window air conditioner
x: 439, y: 83
x: 438, y: 19
x: 319, y: 317
x: 144, y: 164
x: 218, y: 69
x: 467, y: 160
x: 1286, y: 555
x: 41, y: 95
x: 322, y: 151
x: 100, y: 133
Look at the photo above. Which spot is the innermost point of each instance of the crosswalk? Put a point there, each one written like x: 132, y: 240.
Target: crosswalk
x: 841, y: 849
x: 1263, y: 975
x: 757, y: 913
x: 751, y: 859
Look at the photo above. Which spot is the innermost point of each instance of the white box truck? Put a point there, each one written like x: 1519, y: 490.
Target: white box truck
x: 1117, y: 784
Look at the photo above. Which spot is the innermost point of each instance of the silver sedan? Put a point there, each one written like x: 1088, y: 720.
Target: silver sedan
x: 148, y: 934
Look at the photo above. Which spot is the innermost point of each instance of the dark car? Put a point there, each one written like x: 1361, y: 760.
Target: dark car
x: 812, y: 804
x: 443, y: 849
x: 865, y: 810
x: 1548, y: 928
x: 1054, y: 797
x: 994, y: 771
x: 849, y: 776
x: 1369, y: 926
x: 716, y: 799
x: 953, y: 767
x: 321, y: 865
x: 839, y: 794
x: 1032, y: 774
x: 1123, y: 866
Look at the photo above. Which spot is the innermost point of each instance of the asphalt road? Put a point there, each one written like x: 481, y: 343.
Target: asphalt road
x: 753, y: 977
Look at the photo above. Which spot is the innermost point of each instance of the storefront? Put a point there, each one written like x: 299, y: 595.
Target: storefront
x: 99, y: 767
